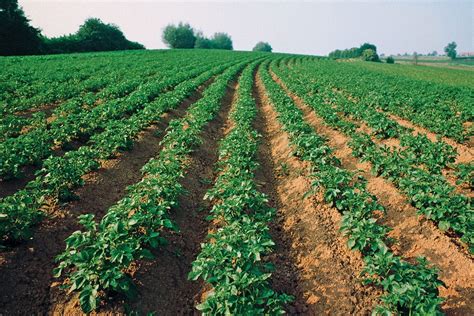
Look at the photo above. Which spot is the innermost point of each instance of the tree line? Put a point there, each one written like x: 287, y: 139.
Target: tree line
x: 365, y: 51
x: 18, y: 37
x: 184, y: 35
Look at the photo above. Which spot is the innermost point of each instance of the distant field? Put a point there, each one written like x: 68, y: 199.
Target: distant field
x: 459, y: 63
x: 181, y: 182
x: 443, y: 75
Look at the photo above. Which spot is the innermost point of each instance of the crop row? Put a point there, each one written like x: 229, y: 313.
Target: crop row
x: 424, y: 103
x: 435, y: 155
x: 83, y: 122
x: 231, y: 261
x: 91, y: 90
x: 59, y: 175
x: 29, y: 84
x: 95, y: 259
x: 409, y: 288
x: 429, y: 193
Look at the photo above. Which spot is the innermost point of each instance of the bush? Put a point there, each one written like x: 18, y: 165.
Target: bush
x: 262, y: 47
x: 390, y: 60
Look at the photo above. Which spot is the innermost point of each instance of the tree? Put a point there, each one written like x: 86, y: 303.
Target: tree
x: 179, y: 36
x: 370, y: 55
x: 262, y: 47
x: 450, y: 50
x: 415, y: 58
x: 95, y: 35
x: 390, y: 60
x: 366, y: 46
x: 92, y: 36
x: 17, y: 36
x: 202, y: 41
x: 222, y: 41
x: 353, y: 52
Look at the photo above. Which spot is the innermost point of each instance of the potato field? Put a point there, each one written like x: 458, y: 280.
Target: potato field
x: 182, y: 182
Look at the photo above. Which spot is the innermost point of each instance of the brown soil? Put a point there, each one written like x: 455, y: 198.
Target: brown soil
x: 163, y: 284
x: 9, y: 187
x: 416, y: 236
x: 46, y: 108
x: 312, y: 260
x: 26, y: 282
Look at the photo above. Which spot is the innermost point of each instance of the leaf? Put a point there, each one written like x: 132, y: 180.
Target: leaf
x: 351, y: 243
x: 444, y: 225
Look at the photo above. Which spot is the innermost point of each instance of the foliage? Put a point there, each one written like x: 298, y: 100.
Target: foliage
x: 110, y: 127
x: 94, y: 35
x: 353, y: 52
x: 409, y: 288
x: 221, y: 41
x: 17, y: 36
x: 242, y: 238
x: 179, y: 36
x: 441, y: 108
x: 390, y: 60
x: 133, y: 225
x: 465, y: 174
x: 415, y: 167
x: 262, y: 47
x: 202, y: 41
x: 184, y: 36
x: 450, y: 50
x: 370, y: 55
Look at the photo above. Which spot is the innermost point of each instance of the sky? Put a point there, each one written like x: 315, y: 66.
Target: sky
x: 305, y: 27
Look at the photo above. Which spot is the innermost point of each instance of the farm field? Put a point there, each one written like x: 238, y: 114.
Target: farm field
x: 212, y: 182
x: 464, y: 63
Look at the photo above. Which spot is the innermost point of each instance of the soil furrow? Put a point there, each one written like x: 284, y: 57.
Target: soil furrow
x: 163, y: 284
x: 416, y: 236
x: 26, y: 270
x: 312, y: 260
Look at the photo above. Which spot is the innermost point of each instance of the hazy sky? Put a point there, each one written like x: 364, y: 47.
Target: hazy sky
x: 307, y: 27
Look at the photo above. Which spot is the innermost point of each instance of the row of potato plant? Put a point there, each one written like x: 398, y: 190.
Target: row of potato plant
x: 28, y: 83
x: 430, y: 193
x: 60, y: 174
x: 232, y: 260
x: 134, y: 224
x: 435, y: 155
x: 98, y: 88
x: 409, y: 288
x: 33, y: 147
x: 422, y: 102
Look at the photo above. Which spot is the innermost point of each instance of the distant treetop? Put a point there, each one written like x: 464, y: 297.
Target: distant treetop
x: 17, y: 36
x: 184, y: 36
x: 262, y: 47
x: 450, y: 50
x: 179, y: 36
x: 92, y: 36
x: 366, y: 51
